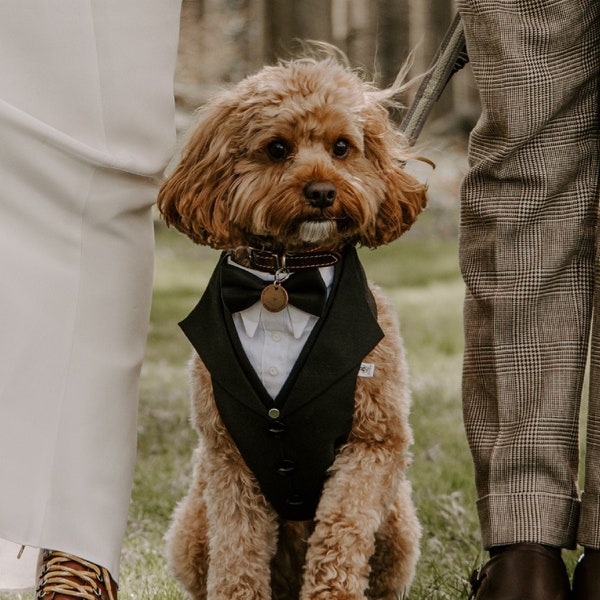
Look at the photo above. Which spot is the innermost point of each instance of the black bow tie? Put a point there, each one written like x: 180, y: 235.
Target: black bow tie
x: 241, y: 289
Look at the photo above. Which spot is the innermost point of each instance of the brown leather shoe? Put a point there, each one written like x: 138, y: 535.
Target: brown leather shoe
x: 586, y: 579
x: 63, y: 576
x: 522, y: 572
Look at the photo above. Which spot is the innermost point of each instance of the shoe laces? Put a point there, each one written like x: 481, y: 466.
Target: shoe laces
x: 87, y: 581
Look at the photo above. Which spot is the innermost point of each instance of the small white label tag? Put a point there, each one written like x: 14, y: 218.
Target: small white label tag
x: 366, y: 370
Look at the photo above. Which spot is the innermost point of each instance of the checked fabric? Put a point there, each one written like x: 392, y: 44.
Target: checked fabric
x: 527, y: 246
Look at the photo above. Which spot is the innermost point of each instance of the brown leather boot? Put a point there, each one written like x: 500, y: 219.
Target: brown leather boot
x: 522, y: 572
x: 63, y: 576
x: 586, y: 579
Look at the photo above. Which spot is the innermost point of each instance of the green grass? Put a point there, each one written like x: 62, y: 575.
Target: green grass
x: 421, y: 275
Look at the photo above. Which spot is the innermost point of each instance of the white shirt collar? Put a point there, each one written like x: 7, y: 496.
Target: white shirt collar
x: 294, y: 318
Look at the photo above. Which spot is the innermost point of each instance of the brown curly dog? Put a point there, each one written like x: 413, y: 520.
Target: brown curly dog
x: 299, y: 384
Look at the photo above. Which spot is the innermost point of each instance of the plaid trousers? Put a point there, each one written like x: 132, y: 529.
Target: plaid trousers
x: 527, y: 253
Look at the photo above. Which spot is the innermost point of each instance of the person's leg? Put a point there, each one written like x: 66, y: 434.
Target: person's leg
x: 586, y: 581
x: 87, y: 121
x: 528, y: 219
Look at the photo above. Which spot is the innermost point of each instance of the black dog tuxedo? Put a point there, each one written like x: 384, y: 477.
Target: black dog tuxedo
x: 290, y: 441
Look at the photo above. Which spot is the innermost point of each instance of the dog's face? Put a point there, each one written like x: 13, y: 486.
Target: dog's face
x: 298, y: 156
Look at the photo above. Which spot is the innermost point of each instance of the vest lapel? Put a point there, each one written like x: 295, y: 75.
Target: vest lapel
x: 206, y: 329
x: 346, y: 333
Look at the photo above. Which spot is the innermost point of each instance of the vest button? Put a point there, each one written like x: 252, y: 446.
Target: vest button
x: 286, y: 467
x: 294, y: 500
x: 276, y: 428
x: 274, y: 413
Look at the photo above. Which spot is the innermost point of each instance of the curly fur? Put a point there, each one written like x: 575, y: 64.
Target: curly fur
x: 229, y: 190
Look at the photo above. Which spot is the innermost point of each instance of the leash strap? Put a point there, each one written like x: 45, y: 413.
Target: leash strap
x: 451, y: 57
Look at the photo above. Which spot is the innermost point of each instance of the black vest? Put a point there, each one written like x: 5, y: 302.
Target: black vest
x: 289, y: 442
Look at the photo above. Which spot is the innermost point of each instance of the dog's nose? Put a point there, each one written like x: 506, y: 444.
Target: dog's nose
x: 319, y: 194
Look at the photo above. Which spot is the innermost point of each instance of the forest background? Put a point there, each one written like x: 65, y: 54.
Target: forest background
x: 224, y: 40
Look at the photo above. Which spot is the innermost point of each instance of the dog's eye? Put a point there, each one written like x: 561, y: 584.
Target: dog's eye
x: 341, y: 148
x: 278, y: 150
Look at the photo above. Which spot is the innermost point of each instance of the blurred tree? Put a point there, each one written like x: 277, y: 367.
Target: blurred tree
x: 393, y: 34
x: 256, y: 47
x: 438, y: 16
x: 289, y: 21
x: 361, y: 36
x: 223, y: 40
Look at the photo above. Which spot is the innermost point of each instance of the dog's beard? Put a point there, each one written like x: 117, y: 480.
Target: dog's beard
x: 315, y: 232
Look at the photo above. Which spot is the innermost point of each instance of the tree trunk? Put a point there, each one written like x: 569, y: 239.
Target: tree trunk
x: 289, y: 22
x: 362, y: 34
x: 393, y: 38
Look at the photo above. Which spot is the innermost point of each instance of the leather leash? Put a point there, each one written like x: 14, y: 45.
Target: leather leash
x: 451, y: 57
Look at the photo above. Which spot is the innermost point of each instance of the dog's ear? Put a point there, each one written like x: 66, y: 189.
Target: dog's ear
x: 404, y: 196
x: 194, y: 197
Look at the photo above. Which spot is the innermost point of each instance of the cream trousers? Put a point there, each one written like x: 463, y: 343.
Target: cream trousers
x: 87, y: 125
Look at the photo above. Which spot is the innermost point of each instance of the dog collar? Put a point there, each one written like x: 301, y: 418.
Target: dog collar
x: 271, y: 262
